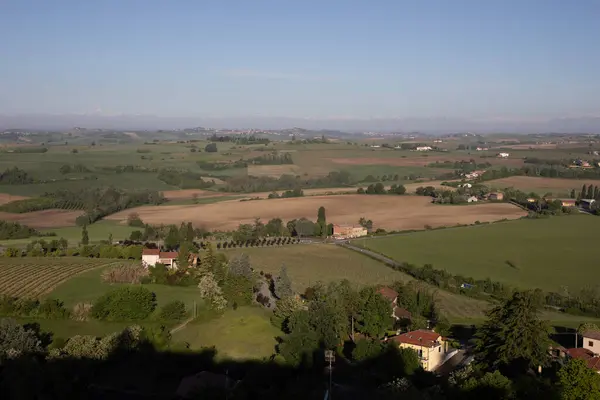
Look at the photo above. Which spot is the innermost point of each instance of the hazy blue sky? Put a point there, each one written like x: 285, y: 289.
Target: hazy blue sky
x: 480, y: 59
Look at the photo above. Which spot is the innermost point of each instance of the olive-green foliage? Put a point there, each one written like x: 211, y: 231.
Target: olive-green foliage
x: 577, y: 381
x: 53, y: 308
x: 237, y: 290
x: 366, y: 349
x: 173, y: 311
x: 16, y: 340
x: 125, y: 304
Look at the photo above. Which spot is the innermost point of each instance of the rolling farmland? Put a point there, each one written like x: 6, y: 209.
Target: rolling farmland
x: 34, y: 277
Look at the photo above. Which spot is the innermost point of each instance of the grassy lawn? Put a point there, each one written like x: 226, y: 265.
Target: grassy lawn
x: 88, y: 286
x: 245, y: 333
x: 546, y: 253
x: 97, y: 232
x: 309, y: 264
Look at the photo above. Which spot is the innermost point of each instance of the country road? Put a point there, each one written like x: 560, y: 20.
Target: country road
x: 370, y: 253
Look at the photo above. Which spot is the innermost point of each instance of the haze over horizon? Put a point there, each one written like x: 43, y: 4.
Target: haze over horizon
x: 393, y: 65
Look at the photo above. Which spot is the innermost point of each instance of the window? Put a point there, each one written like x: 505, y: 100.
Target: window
x: 591, y: 343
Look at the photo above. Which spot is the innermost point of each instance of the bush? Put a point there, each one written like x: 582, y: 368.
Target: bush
x: 211, y: 148
x: 173, y: 311
x: 81, y: 311
x: 134, y: 219
x: 125, y: 304
x: 53, y: 308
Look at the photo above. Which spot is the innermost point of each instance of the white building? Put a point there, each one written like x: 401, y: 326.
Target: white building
x: 424, y: 148
x: 151, y: 257
x: 472, y: 199
x: 503, y: 155
x: 482, y: 149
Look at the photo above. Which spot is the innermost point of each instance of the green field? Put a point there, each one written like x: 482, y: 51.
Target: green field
x: 245, y: 333
x: 88, y: 286
x: 34, y: 277
x: 96, y: 232
x: 545, y: 253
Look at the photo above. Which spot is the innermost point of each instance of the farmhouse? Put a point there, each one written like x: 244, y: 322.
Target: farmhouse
x: 429, y: 345
x: 423, y: 148
x: 482, y: 148
x: 503, y: 155
x: 348, y: 231
x: 496, y: 196
x: 472, y: 199
x: 151, y: 257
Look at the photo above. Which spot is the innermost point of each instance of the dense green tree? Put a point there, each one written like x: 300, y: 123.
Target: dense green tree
x: 513, y: 338
x: 590, y: 192
x: 283, y: 284
x: 328, y: 319
x: 576, y: 381
x: 304, y: 227
x: 85, y: 239
x: 172, y: 239
x: 16, y: 340
x: 321, y: 222
x: 275, y: 227
x: 210, y: 148
x: 237, y: 290
x: 298, y: 347
x: 185, y: 249
x: 173, y: 311
x: 375, y: 314
x: 491, y: 386
x: 366, y: 349
x: 125, y: 304
x: 240, y: 265
x: 284, y: 310
x: 583, y: 192
x: 596, y: 193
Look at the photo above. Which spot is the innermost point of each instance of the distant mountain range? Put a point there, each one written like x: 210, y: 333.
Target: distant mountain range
x: 424, y: 125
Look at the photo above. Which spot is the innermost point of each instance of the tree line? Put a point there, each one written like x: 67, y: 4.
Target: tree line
x: 14, y: 230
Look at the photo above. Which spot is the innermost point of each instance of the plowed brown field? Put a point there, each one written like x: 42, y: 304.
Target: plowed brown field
x: 541, y: 185
x: 388, y: 212
x: 44, y: 218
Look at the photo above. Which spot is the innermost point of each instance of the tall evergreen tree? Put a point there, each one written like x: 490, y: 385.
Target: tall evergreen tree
x: 596, y: 192
x: 513, y: 338
x: 583, y: 191
x: 189, y: 234
x: 590, y: 192
x: 322, y: 221
x: 283, y: 284
x: 572, y: 193
x: 172, y: 239
x: 85, y: 239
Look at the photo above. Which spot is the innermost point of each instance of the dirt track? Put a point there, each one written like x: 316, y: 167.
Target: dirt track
x: 7, y: 198
x: 388, y: 212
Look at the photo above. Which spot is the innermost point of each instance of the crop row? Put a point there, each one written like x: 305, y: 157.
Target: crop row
x: 31, y: 280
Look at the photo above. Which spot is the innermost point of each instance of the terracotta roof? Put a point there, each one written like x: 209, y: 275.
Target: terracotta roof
x: 168, y: 254
x: 419, y: 337
x: 400, y: 313
x: 594, y: 363
x: 581, y: 353
x: 591, y: 335
x: 388, y: 293
x: 150, y: 252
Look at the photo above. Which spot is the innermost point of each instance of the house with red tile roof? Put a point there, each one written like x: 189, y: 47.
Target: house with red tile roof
x: 151, y: 257
x: 430, y: 346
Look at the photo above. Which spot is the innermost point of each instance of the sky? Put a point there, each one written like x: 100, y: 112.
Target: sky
x: 484, y: 60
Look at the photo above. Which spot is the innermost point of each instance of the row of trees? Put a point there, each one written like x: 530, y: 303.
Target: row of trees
x: 184, y: 179
x: 378, y: 188
x: 249, y: 184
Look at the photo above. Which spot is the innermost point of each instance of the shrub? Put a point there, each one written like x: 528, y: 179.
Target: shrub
x: 125, y: 304
x: 134, y: 219
x: 53, y: 308
x: 81, y: 311
x: 173, y: 311
x: 125, y: 274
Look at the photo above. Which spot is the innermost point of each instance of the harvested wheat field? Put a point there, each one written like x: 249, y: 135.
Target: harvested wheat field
x: 388, y: 212
x: 556, y: 186
x: 43, y: 219
x: 7, y: 198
